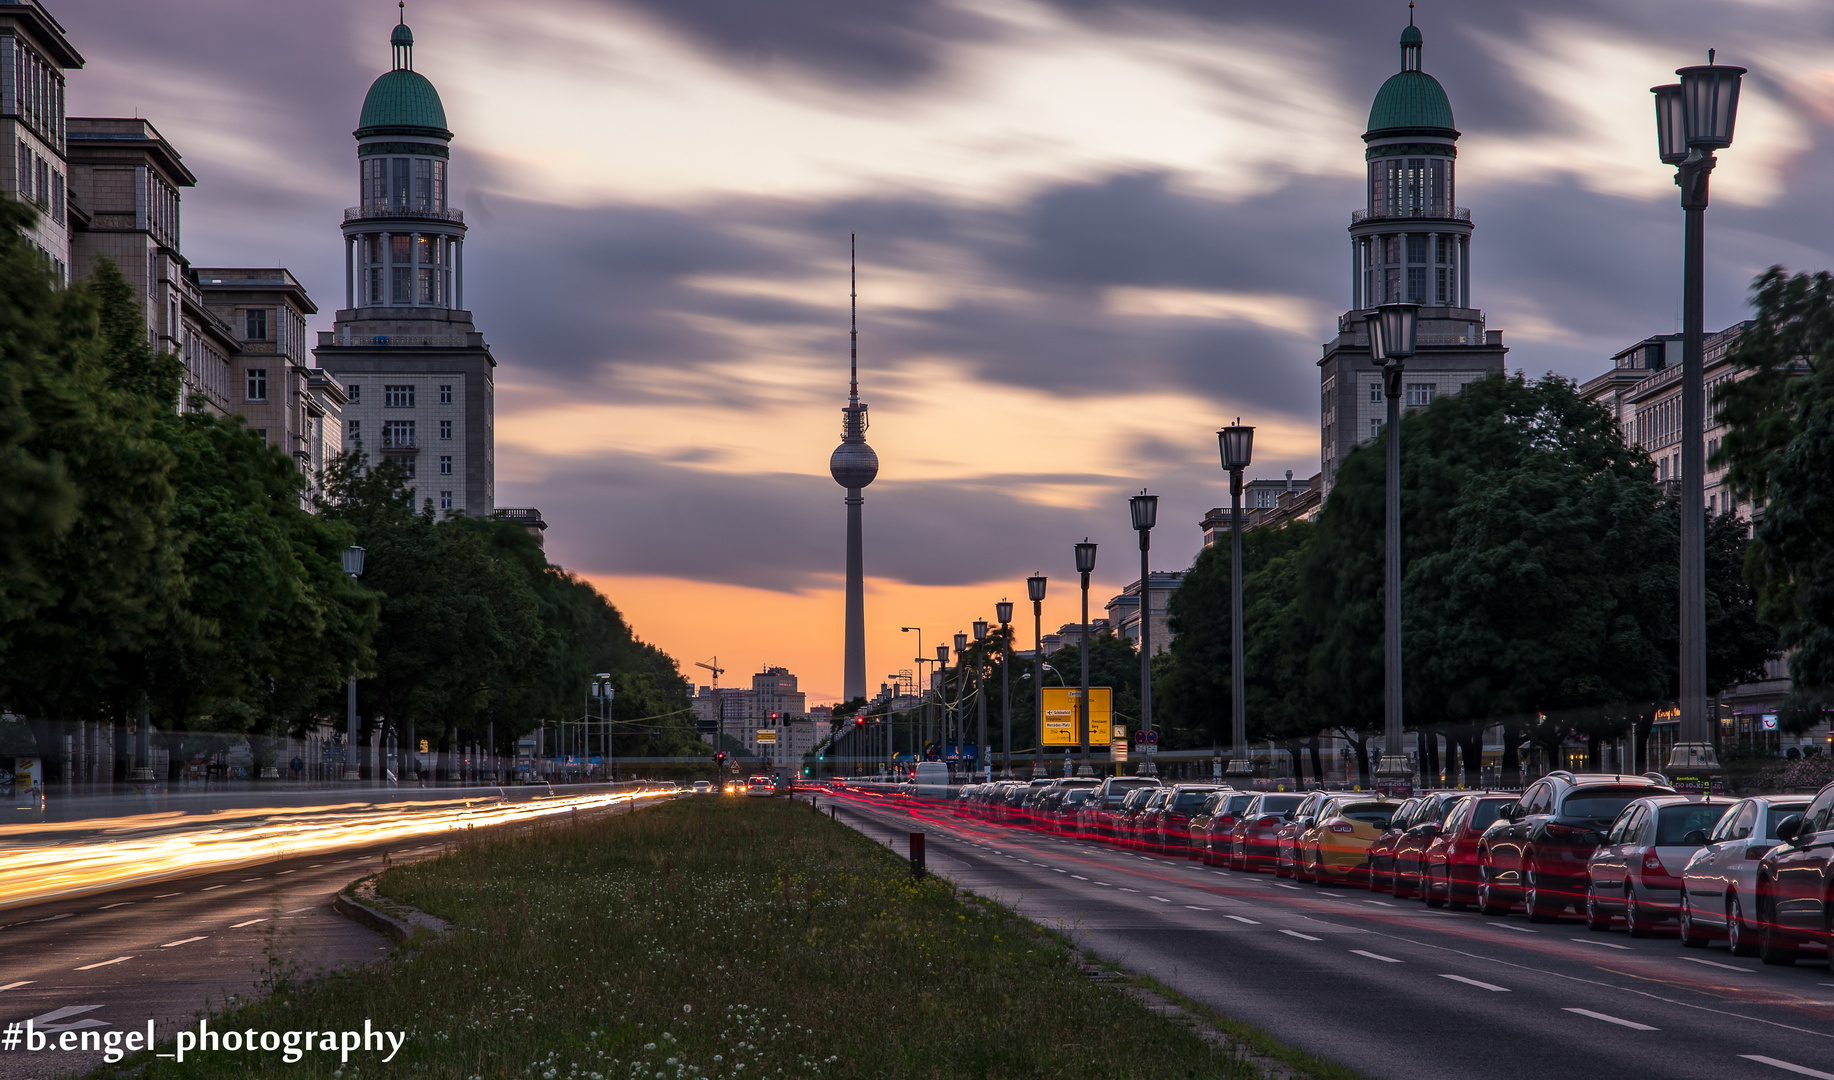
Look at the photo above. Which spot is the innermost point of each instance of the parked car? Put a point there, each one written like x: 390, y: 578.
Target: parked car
x: 1536, y: 852
x: 1409, y: 859
x: 1168, y: 830
x: 1336, y: 848
x: 930, y: 780
x: 1117, y: 821
x: 1136, y: 824
x: 1796, y: 884
x: 1254, y: 842
x: 1719, y: 882
x: 1100, y: 814
x: 1212, y: 829
x: 1382, y: 852
x: 1286, y: 839
x: 1449, y: 866
x: 1636, y: 870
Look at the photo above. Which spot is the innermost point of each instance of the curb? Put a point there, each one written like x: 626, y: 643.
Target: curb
x: 358, y: 903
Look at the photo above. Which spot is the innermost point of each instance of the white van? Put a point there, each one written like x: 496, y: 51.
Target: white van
x: 932, y: 780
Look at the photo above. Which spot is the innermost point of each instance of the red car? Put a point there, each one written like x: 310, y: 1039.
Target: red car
x: 1253, y: 844
x: 1382, y: 852
x: 1449, y: 868
x: 1210, y: 836
x: 1409, y: 861
x: 1168, y: 830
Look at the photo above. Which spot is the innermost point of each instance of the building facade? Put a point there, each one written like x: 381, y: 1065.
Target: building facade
x: 419, y: 377
x: 1124, y: 610
x: 1410, y: 243
x: 34, y: 167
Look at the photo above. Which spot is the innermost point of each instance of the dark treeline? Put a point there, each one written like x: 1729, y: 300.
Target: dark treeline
x: 165, y: 563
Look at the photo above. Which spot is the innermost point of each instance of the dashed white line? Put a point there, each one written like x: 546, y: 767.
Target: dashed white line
x: 1517, y: 929
x: 1161, y: 899
x: 246, y: 880
x: 183, y: 941
x: 1060, y: 871
x: 292, y: 910
x: 214, y: 888
x: 284, y: 873
x: 1297, y: 934
x: 1079, y: 877
x: 1104, y: 885
x: 1194, y: 907
x: 123, y: 903
x: 163, y: 895
x: 54, y: 918
x: 1377, y: 956
x: 1336, y: 896
x: 1799, y: 1070
x: 1474, y: 982
x: 1241, y: 919
x: 250, y: 922
x: 1126, y: 889
x: 1284, y: 885
x: 17, y: 985
x: 1716, y: 963
x: 1609, y: 1019
x: 1382, y: 903
x: 105, y: 963
x: 1606, y: 944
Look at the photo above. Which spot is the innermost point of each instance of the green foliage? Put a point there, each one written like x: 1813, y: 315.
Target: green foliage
x: 1780, y: 454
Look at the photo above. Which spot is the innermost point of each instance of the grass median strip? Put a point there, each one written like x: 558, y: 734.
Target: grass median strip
x: 711, y: 937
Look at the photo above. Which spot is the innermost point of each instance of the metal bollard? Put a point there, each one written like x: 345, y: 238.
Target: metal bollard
x: 917, y: 855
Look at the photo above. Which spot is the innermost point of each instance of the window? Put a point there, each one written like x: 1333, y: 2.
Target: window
x: 1375, y: 428
x: 399, y: 396
x: 257, y: 384
x: 356, y: 392
x: 423, y: 184
x: 403, y: 285
x: 257, y: 324
x: 1420, y: 393
x: 398, y: 433
x: 1416, y: 284
x: 1416, y: 248
x: 445, y: 429
x: 24, y: 175
x: 445, y: 394
x: 399, y: 185
x: 439, y: 185
x: 445, y: 464
x: 262, y: 432
x: 445, y: 500
x: 1375, y: 392
x: 355, y: 430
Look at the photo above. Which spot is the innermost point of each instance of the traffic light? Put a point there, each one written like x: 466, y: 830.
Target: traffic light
x: 859, y: 721
x: 720, y: 758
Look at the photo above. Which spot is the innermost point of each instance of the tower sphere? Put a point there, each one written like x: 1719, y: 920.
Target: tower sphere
x: 853, y: 465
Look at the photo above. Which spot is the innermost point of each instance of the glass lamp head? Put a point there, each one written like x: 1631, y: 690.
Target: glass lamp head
x: 1394, y: 331
x: 961, y: 644
x: 1085, y: 557
x: 353, y: 561
x: 1145, y: 510
x: 1034, y: 588
x: 1709, y: 95
x: 1003, y: 611
x: 1237, y: 442
x: 980, y: 629
x: 1671, y: 124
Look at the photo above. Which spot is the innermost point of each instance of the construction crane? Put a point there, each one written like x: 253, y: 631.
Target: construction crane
x: 719, y: 703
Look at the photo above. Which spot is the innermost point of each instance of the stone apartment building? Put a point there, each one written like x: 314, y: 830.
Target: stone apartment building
x: 1124, y: 610
x: 34, y: 168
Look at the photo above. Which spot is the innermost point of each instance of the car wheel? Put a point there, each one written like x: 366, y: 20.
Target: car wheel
x: 1540, y: 906
x: 1397, y: 884
x: 1454, y: 898
x: 1635, y: 919
x: 1773, y: 948
x: 1281, y: 869
x: 1692, y: 936
x: 1596, y: 919
x: 1739, y: 937
x: 1318, y: 869
x: 1429, y: 894
x: 1488, y: 902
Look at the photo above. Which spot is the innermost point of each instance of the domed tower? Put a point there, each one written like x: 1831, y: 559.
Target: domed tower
x: 853, y: 466
x: 1411, y: 243
x: 419, y: 375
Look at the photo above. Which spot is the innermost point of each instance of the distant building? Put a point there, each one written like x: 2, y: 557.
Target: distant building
x: 711, y: 707
x: 1124, y: 610
x: 34, y: 167
x: 1267, y: 502
x: 1072, y: 634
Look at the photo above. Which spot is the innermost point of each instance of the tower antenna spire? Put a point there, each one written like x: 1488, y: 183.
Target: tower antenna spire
x: 1410, y: 12
x: 403, y: 5
x: 853, y: 318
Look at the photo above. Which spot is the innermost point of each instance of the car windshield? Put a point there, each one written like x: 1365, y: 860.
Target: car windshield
x: 1373, y: 813
x: 1602, y: 805
x: 1121, y: 787
x: 1188, y: 801
x: 1280, y: 804
x: 1077, y: 795
x: 1673, y: 823
x: 1778, y: 813
x: 1486, y: 812
x: 1236, y: 803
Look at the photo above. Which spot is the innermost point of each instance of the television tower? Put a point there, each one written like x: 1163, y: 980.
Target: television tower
x: 854, y: 465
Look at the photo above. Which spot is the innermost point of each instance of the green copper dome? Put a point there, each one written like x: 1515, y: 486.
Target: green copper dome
x: 1411, y: 100
x: 403, y: 98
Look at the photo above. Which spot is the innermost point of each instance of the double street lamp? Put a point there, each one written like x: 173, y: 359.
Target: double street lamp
x: 1694, y: 117
x: 1236, y: 442
x: 353, y: 565
x: 1145, y: 510
x: 1394, y: 331
x: 980, y: 698
x: 1085, y: 565
x: 1004, y: 612
x: 961, y: 690
x: 1034, y: 591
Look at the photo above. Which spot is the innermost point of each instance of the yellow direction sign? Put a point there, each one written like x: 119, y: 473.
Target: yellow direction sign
x: 765, y: 735
x: 1060, y: 715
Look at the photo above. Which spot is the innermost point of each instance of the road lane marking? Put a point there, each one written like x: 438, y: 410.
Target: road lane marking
x: 1476, y: 983
x: 1161, y: 899
x: 105, y: 963
x: 315, y: 866
x: 1337, y: 896
x: 1079, y: 877
x: 17, y: 985
x: 1717, y: 964
x: 1606, y: 944
x: 284, y: 873
x: 1126, y: 889
x: 1284, y: 885
x: 246, y: 880
x: 163, y: 895
x: 1241, y: 919
x: 1297, y: 934
x: 1609, y: 1019
x: 1104, y: 885
x: 123, y: 903
x: 184, y: 941
x: 1060, y: 871
x: 214, y: 888
x: 250, y: 922
x: 1383, y: 903
x: 1377, y: 956
x: 54, y: 918
x: 1194, y: 907
x: 1799, y: 1070
x: 1517, y: 929
x: 290, y: 911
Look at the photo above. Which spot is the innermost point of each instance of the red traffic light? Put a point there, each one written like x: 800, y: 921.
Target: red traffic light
x: 859, y: 721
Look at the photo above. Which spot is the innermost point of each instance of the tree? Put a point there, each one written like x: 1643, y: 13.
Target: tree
x: 1780, y: 457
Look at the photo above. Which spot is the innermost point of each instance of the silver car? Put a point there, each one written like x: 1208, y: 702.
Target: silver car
x: 1636, y: 871
x: 1719, y: 884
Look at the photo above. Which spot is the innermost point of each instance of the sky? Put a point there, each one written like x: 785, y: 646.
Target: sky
x: 1089, y: 234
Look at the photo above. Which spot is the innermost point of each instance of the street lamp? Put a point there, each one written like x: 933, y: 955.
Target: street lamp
x: 353, y: 770
x: 1705, y: 103
x: 1236, y: 443
x: 1004, y: 612
x: 961, y: 688
x: 1085, y: 565
x: 1145, y: 510
x: 980, y: 698
x: 923, y: 705
x: 1034, y: 591
x: 1393, y: 336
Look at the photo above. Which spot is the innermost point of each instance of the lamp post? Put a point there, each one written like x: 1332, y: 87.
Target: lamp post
x: 1034, y: 590
x: 1004, y: 612
x: 1393, y: 333
x: 923, y: 706
x: 1694, y: 118
x: 961, y: 690
x: 1085, y: 565
x: 1236, y: 443
x: 980, y: 700
x: 353, y: 565
x: 942, y: 699
x: 1145, y: 510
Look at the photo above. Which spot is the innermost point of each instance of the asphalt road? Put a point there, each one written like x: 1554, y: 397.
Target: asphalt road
x: 1390, y: 987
